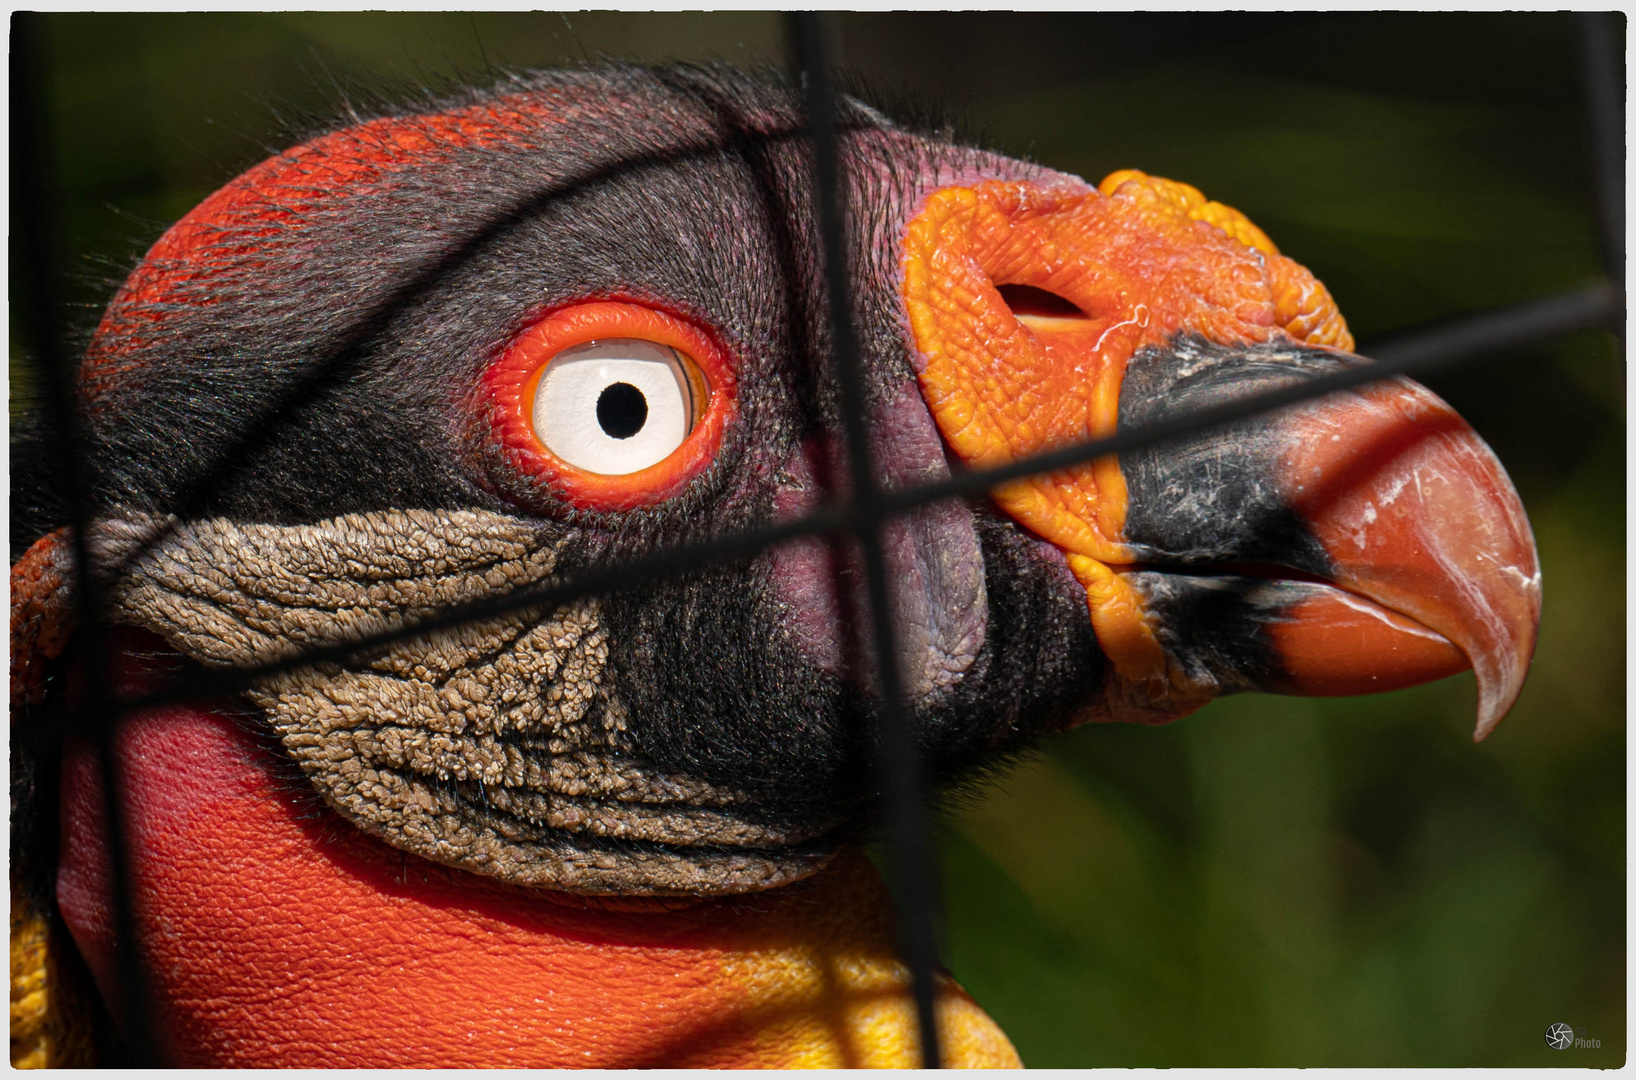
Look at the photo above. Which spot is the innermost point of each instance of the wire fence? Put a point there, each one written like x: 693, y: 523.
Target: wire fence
x: 857, y: 518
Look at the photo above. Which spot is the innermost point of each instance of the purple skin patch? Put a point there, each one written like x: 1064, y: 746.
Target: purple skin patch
x: 934, y: 561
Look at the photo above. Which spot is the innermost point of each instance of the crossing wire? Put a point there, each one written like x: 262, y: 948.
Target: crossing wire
x: 897, y: 760
x: 858, y: 517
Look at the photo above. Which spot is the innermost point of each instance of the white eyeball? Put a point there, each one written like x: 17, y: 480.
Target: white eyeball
x: 614, y: 407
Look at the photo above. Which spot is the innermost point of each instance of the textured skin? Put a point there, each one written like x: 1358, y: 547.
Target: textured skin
x: 1140, y: 267
x: 477, y: 747
x: 701, y: 733
x: 1160, y: 277
x: 1144, y: 260
x: 288, y: 941
x: 407, y: 271
x: 1302, y: 307
x: 42, y: 617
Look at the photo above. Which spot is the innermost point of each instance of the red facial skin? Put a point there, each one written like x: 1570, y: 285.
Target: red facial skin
x: 276, y: 935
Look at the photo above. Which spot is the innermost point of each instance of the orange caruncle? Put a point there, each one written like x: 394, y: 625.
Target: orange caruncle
x: 1143, y: 260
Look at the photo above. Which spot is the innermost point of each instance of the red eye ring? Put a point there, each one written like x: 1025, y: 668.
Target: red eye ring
x: 511, y: 381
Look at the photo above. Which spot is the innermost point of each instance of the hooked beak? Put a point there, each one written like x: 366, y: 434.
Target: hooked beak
x: 1362, y: 542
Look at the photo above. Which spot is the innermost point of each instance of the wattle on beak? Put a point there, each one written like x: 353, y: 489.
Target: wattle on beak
x: 1365, y: 541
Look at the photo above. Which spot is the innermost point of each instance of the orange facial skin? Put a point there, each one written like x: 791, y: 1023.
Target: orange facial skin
x: 1144, y: 260
x: 510, y: 384
x: 1428, y: 561
x: 275, y: 937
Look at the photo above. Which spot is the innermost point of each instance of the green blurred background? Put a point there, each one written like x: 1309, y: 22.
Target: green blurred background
x: 1272, y: 881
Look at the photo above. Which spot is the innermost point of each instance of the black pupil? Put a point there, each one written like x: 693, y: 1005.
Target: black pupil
x: 621, y: 410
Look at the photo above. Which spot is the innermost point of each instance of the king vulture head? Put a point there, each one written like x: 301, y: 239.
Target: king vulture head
x: 438, y: 357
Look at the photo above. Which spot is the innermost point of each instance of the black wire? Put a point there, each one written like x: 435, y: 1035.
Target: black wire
x: 913, y: 876
x: 34, y: 216
x: 1437, y: 348
x: 1454, y: 343
x: 1428, y: 350
x: 596, y: 581
x: 1604, y: 104
x: 309, y: 384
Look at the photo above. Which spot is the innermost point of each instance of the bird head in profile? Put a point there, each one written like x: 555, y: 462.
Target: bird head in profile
x: 453, y: 354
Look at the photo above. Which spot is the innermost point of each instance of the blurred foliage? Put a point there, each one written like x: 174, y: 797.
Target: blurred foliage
x: 1272, y: 881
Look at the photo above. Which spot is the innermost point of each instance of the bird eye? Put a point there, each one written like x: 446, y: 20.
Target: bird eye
x: 616, y: 407
x: 609, y: 406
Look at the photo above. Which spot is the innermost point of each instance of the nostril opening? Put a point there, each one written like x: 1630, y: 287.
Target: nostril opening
x: 1027, y: 301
